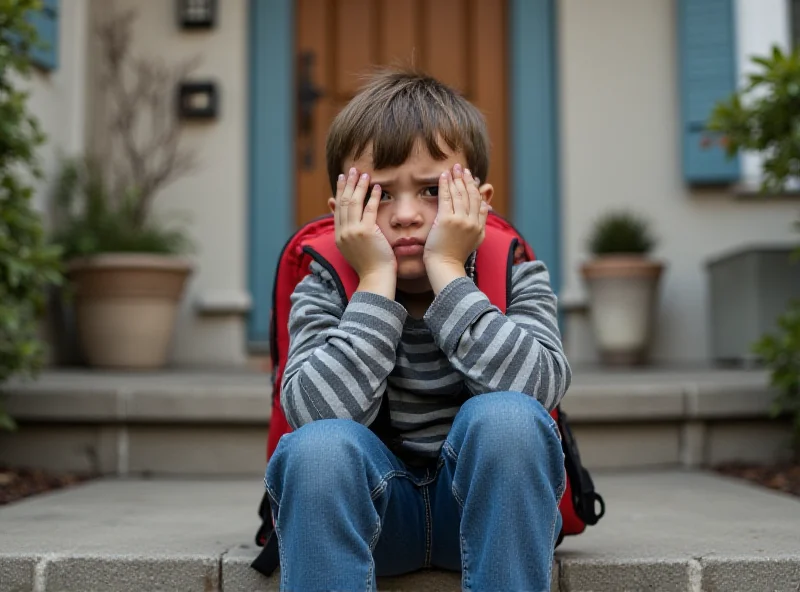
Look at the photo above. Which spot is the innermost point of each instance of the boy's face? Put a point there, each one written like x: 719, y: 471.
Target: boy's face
x: 409, y: 204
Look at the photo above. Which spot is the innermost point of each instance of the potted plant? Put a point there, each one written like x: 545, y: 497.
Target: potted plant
x: 127, y: 270
x: 622, y: 283
x: 29, y: 265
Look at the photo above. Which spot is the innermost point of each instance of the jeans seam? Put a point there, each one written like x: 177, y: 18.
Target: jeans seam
x: 281, y: 556
x: 381, y: 486
x: 372, y: 543
x: 428, y: 526
x: 465, y: 578
x: 448, y: 450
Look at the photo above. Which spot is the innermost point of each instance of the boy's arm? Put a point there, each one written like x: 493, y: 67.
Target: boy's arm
x: 339, y: 358
x: 519, y: 351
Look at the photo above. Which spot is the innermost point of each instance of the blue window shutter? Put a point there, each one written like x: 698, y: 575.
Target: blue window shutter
x: 707, y: 41
x: 46, y: 23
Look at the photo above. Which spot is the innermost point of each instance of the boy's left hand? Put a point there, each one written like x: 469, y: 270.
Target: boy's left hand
x: 459, y: 229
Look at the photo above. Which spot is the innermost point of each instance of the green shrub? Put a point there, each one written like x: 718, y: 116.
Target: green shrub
x: 621, y: 232
x: 28, y: 264
x: 781, y: 353
x: 764, y: 116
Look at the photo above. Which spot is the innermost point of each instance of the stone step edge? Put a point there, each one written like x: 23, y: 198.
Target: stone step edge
x: 251, y: 405
x: 231, y: 571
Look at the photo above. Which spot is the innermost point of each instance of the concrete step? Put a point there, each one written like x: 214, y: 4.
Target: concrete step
x: 666, y: 530
x: 206, y: 422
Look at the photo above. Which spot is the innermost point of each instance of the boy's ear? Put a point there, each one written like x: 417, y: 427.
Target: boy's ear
x: 487, y: 192
x: 332, y: 204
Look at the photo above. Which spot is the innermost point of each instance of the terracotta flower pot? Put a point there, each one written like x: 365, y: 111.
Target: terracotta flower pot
x: 623, y: 294
x: 125, y: 307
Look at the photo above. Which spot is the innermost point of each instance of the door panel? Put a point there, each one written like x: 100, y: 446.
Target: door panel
x: 462, y: 42
x: 446, y: 51
x: 398, y: 18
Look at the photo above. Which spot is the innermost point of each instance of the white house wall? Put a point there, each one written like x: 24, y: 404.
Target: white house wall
x: 214, y: 197
x: 58, y: 98
x: 619, y: 102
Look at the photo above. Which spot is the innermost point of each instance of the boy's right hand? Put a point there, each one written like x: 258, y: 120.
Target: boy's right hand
x: 358, y: 237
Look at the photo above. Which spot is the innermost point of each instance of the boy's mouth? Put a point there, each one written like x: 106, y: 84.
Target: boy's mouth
x: 408, y: 246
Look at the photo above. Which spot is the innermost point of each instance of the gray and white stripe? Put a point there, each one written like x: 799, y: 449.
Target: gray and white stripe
x: 343, y: 359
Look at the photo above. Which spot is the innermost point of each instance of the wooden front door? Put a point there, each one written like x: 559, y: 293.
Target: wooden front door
x: 461, y: 42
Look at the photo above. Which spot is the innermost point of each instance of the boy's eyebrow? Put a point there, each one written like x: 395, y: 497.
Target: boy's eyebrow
x: 433, y: 180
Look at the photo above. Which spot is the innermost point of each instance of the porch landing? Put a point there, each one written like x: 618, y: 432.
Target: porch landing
x: 664, y: 530
x: 205, y: 422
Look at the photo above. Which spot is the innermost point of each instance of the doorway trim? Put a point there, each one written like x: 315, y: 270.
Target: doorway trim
x: 536, y: 210
x: 270, y: 154
x: 534, y: 146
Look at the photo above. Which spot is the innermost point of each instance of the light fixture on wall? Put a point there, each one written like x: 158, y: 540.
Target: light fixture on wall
x: 197, y: 14
x: 198, y: 100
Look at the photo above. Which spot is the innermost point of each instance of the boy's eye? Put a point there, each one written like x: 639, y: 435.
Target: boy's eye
x: 384, y: 195
x: 432, y: 191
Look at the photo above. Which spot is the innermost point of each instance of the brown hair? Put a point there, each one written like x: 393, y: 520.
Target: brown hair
x: 395, y: 109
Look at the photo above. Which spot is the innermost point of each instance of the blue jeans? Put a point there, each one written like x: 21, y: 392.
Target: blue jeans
x: 347, y: 510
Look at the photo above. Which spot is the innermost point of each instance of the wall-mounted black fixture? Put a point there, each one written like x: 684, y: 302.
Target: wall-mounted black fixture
x: 197, y: 14
x: 198, y: 100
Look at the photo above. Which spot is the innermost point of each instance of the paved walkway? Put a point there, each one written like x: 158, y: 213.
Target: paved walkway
x: 663, y: 531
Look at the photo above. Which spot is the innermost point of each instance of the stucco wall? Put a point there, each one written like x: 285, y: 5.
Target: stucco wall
x: 620, y: 147
x: 214, y: 196
x: 58, y: 97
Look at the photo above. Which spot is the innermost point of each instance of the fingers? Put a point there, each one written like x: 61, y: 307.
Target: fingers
x: 445, y: 197
x: 357, y: 201
x: 459, y: 191
x: 350, y: 199
x: 371, y: 208
x: 483, y: 214
x: 345, y: 200
x: 340, y: 183
x: 474, y: 199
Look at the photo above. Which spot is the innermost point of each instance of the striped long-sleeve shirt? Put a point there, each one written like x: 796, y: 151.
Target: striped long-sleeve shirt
x: 343, y: 359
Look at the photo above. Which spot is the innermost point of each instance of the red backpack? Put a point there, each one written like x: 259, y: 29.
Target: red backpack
x: 315, y: 241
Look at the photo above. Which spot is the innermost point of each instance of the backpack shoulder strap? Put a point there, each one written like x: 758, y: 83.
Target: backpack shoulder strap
x: 324, y: 251
x: 501, y: 249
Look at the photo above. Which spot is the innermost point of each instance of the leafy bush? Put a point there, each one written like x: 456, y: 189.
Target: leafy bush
x: 764, y: 116
x: 621, y: 232
x: 781, y: 352
x: 28, y: 264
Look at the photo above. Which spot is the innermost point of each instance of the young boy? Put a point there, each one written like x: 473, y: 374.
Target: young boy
x: 474, y: 479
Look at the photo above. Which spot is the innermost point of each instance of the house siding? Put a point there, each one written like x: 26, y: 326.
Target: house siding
x: 620, y: 135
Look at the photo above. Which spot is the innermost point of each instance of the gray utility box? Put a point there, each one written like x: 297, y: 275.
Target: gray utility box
x: 748, y: 290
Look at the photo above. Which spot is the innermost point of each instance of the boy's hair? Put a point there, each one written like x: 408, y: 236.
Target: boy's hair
x: 394, y: 110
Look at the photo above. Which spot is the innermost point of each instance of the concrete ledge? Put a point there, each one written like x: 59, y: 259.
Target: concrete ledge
x: 185, y: 422
x: 682, y: 531
x: 99, y: 573
x: 188, y: 396
x: 616, y: 575
x: 17, y: 572
x: 721, y: 574
x: 171, y: 396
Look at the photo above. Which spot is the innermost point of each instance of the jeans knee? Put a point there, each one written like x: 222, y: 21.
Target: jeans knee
x: 505, y: 423
x: 319, y: 455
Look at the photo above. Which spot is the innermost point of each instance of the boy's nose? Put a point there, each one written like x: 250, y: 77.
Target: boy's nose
x: 406, y: 213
